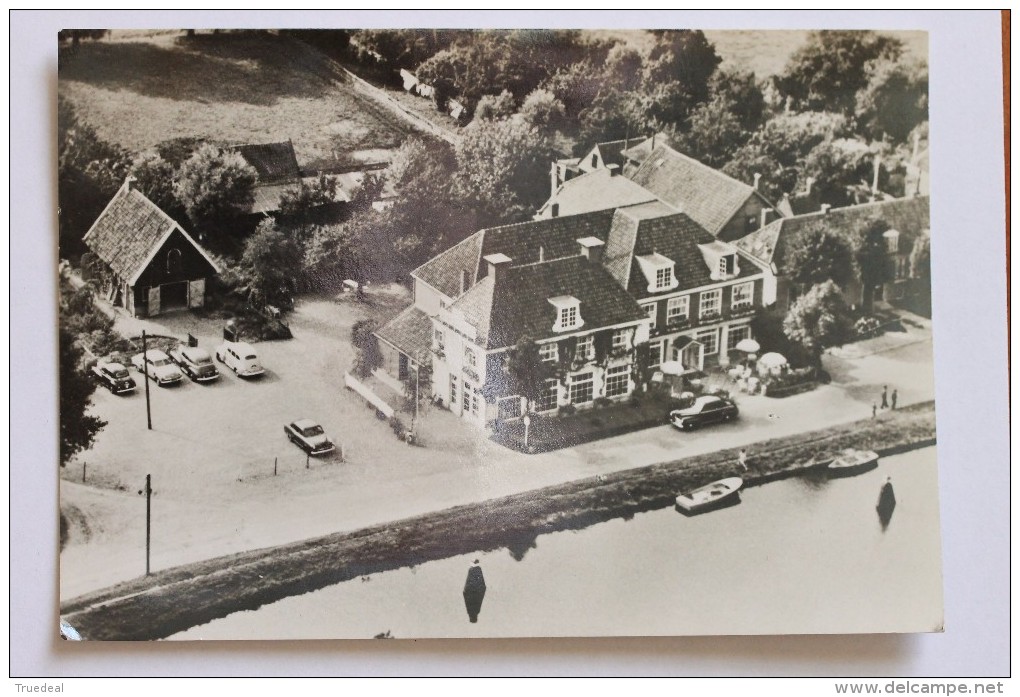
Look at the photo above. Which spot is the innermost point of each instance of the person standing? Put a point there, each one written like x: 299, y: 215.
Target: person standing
x: 742, y: 459
x: 894, y: 397
x: 874, y: 410
x: 885, y: 396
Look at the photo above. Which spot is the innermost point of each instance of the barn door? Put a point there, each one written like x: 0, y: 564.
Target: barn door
x: 153, y: 301
x: 196, y: 293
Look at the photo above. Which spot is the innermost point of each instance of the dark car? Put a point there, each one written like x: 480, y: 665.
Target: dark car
x: 706, y: 409
x: 113, y: 376
x: 309, y: 436
x: 195, y: 362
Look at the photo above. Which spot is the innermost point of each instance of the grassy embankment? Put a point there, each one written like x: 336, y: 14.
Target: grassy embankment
x: 170, y: 601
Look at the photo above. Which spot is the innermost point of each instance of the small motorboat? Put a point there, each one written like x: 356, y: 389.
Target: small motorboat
x: 711, y: 496
x: 852, y: 462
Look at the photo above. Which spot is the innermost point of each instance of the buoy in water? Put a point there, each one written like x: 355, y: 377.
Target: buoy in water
x: 886, y: 502
x: 474, y: 591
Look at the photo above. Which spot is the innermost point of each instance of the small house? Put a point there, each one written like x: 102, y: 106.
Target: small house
x: 151, y: 264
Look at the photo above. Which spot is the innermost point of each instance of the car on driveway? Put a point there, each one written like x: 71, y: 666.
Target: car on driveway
x: 309, y: 436
x: 160, y: 367
x: 196, y: 362
x: 113, y: 376
x: 706, y: 409
x: 239, y: 357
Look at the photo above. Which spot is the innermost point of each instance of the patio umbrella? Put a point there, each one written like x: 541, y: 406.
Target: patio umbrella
x: 770, y: 361
x: 748, y: 346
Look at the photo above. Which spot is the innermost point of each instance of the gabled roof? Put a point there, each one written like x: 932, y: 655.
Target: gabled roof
x: 130, y: 231
x: 517, y: 303
x: 275, y: 163
x: 910, y: 216
x: 708, y: 196
x: 410, y: 332
x: 597, y: 190
x: 524, y: 243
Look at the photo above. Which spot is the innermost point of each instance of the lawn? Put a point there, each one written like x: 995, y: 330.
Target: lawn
x: 140, y: 89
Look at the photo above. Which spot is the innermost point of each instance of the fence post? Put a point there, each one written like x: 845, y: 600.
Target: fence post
x: 341, y: 446
x: 308, y: 459
x: 83, y: 466
x: 275, y: 460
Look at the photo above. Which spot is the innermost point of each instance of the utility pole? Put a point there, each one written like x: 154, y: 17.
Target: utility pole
x: 148, y: 520
x: 145, y: 373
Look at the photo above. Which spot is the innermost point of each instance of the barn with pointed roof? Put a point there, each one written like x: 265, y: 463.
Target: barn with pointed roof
x: 151, y: 264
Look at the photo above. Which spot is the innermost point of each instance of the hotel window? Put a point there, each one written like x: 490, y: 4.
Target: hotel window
x: 568, y: 317
x: 582, y: 388
x: 549, y: 352
x: 655, y: 353
x: 743, y: 295
x: 617, y: 381
x: 439, y: 340
x: 711, y: 303
x: 734, y: 335
x: 469, y: 357
x: 470, y: 398
x: 585, y: 348
x: 651, y: 309
x: 550, y: 396
x: 453, y: 390
x: 709, y: 339
x: 678, y: 308
x: 620, y: 338
x: 663, y: 277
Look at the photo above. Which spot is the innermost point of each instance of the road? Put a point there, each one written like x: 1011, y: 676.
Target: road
x: 211, y: 453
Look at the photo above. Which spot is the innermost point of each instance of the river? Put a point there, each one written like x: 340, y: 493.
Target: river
x: 794, y: 556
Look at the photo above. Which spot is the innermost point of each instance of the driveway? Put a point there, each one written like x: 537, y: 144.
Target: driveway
x: 212, y: 449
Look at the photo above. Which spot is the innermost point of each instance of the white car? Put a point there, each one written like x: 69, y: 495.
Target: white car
x: 239, y: 357
x: 160, y: 368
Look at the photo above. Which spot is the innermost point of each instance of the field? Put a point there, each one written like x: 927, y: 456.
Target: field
x: 140, y: 88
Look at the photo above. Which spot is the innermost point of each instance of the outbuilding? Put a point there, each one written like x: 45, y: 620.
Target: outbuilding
x: 150, y: 264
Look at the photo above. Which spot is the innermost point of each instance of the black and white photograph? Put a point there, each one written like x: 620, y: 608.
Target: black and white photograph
x: 407, y: 333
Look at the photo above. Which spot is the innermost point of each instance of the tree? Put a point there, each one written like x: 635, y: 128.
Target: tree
x: 366, y: 346
x: 817, y: 256
x: 269, y: 266
x: 298, y: 206
x: 77, y: 428
x: 155, y: 177
x: 713, y: 133
x: 841, y: 170
x: 502, y: 168
x: 494, y: 107
x: 828, y: 71
x: 872, y: 256
x: 818, y: 320
x: 76, y: 35
x: 544, y: 111
x: 526, y: 372
x: 741, y: 91
x: 612, y: 116
x: 330, y: 256
x: 215, y: 185
x: 676, y: 74
x: 895, y: 100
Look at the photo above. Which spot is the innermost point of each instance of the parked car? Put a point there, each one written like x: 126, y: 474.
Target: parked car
x: 239, y: 357
x: 309, y: 436
x: 113, y: 376
x: 196, y: 362
x: 705, y: 410
x: 160, y: 367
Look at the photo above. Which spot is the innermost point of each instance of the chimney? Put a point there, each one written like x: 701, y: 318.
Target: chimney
x: 129, y: 183
x: 591, y: 248
x: 613, y: 170
x: 465, y: 280
x: 554, y: 210
x: 757, y: 180
x: 498, y: 264
x: 653, y: 140
x: 541, y: 253
x: 554, y: 179
x: 766, y: 216
x: 809, y: 185
x: 825, y: 208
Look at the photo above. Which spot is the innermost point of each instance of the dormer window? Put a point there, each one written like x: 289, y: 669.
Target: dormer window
x: 568, y: 313
x: 658, y: 271
x: 721, y: 259
x: 892, y: 241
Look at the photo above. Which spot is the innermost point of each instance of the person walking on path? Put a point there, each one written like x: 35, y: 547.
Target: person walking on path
x: 742, y: 459
x: 894, y: 396
x: 874, y: 410
x: 885, y: 396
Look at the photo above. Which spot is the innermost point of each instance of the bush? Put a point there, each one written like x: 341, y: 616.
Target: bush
x: 398, y: 426
x: 866, y: 326
x: 603, y: 402
x: 567, y: 410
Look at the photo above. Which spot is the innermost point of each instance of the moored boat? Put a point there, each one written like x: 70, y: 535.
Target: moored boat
x: 710, y: 496
x: 852, y: 462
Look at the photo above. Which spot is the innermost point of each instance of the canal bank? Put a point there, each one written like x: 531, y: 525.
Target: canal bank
x: 170, y: 601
